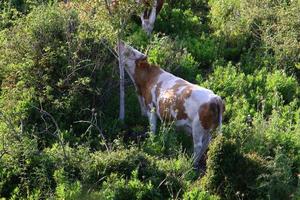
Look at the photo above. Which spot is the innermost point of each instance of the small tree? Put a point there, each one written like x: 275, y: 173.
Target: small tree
x: 120, y: 13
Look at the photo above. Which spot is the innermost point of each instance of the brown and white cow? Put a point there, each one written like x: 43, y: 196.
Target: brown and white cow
x: 148, y: 16
x: 167, y: 97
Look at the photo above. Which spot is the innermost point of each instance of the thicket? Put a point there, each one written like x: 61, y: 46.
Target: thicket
x: 59, y: 133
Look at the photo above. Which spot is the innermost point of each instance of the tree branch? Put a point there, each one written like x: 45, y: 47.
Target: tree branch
x: 57, y: 133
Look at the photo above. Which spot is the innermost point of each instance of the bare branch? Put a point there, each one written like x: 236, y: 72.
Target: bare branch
x: 111, y: 50
x: 57, y: 132
x: 98, y: 129
x: 107, y: 7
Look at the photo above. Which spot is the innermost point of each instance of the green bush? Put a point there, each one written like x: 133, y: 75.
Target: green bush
x: 59, y: 99
x: 261, y: 90
x: 277, y: 183
x: 231, y: 174
x: 205, y: 49
x: 116, y: 187
x: 165, y: 142
x: 196, y: 191
x: 169, y: 55
x: 122, y: 162
x: 266, y: 28
x: 286, y: 86
x: 279, y: 131
x: 178, y: 21
x: 11, y: 10
x: 26, y: 172
x: 64, y: 188
x: 56, y: 69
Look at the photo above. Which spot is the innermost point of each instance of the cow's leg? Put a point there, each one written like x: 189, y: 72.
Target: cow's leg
x: 200, y: 140
x: 152, y: 120
x: 142, y: 106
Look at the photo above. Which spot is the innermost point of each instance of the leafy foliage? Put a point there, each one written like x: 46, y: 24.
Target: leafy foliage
x: 59, y: 137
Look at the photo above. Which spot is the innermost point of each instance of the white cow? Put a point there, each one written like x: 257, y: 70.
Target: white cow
x: 167, y: 97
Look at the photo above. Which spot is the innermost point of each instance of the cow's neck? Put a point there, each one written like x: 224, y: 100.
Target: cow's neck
x: 145, y: 75
x: 130, y: 73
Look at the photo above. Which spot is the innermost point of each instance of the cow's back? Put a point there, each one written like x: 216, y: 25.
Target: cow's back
x: 177, y: 99
x: 171, y: 93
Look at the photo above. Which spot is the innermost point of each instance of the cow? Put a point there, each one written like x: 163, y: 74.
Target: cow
x: 148, y: 16
x: 170, y: 98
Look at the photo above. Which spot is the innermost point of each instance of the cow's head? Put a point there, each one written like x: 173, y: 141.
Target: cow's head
x: 129, y: 55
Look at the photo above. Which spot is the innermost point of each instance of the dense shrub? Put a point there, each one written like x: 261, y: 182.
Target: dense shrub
x: 25, y: 171
x: 59, y: 133
x: 261, y: 90
x: 196, y: 191
x: 205, y: 49
x: 230, y: 173
x: 170, y: 56
x: 277, y: 182
x: 179, y: 21
x: 119, y: 188
x: 262, y: 27
x: 253, y: 176
x: 59, y: 70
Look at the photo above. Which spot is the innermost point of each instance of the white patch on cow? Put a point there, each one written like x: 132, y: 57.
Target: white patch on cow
x: 198, y: 97
x: 153, y: 93
x: 129, y: 56
x: 130, y: 68
x: 168, y: 80
x: 182, y: 122
x: 173, y: 112
x: 157, y: 109
x: 152, y: 16
x: 180, y: 89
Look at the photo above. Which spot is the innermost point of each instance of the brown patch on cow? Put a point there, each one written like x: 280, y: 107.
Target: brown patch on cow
x: 145, y: 77
x: 186, y: 93
x: 173, y: 101
x: 206, y: 116
x: 209, y: 113
x: 165, y: 106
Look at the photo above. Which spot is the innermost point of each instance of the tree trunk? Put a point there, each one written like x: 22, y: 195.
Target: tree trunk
x: 122, y: 88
